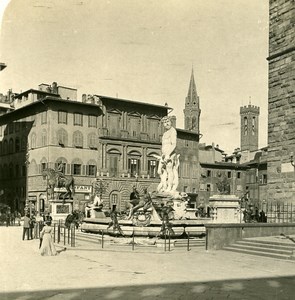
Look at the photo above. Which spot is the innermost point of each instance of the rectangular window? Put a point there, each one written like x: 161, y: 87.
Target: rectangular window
x: 208, y: 173
x: 154, y: 129
x: 238, y: 175
x: 229, y: 174
x: 62, y: 117
x: 134, y: 167
x: 44, y: 117
x: 92, y: 170
x: 78, y: 119
x: 208, y: 187
x: 113, y: 166
x: 114, y: 199
x: 77, y: 169
x: 186, y: 169
x: 134, y: 126
x: 92, y: 121
x: 152, y: 168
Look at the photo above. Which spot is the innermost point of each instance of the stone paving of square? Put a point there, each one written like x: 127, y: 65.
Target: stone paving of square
x: 116, y: 272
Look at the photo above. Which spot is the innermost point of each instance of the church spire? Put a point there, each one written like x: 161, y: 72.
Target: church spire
x: 192, y: 94
x: 192, y: 107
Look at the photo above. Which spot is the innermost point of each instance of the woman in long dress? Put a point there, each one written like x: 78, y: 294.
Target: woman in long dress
x: 47, y: 246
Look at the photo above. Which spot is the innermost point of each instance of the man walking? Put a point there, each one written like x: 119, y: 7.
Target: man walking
x: 26, y: 229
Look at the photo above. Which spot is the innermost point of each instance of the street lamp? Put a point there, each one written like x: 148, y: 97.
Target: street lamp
x: 27, y: 163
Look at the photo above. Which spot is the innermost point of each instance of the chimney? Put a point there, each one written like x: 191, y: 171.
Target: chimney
x: 54, y: 88
x: 84, y: 98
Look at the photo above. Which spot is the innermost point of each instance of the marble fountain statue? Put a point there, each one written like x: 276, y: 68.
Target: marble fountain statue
x: 156, y: 213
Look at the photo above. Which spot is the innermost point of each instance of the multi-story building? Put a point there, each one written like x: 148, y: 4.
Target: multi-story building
x: 98, y: 137
x: 281, y: 98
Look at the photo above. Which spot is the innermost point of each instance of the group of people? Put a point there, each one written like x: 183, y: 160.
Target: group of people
x: 34, y: 223
x: 40, y: 227
x: 10, y: 219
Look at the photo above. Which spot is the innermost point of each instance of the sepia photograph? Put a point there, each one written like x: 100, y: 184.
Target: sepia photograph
x: 147, y: 149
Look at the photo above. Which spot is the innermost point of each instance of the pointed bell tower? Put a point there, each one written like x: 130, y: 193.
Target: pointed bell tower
x: 192, y: 108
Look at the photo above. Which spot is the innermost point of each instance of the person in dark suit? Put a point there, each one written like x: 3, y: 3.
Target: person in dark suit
x: 26, y: 228
x: 48, y: 218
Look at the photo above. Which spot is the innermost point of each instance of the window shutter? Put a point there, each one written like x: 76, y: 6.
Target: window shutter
x: 138, y: 167
x: 84, y: 170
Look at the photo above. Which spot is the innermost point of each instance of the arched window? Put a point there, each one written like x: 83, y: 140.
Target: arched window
x: 62, y: 137
x: 24, y: 144
x: 92, y: 141
x: 43, y: 164
x: 33, y: 169
x: 113, y: 158
x: 17, y: 145
x: 5, y: 147
x: 78, y: 139
x: 44, y: 138
x: 33, y: 141
x: 10, y: 146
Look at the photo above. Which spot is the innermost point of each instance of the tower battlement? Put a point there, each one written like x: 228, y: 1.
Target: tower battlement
x: 250, y: 109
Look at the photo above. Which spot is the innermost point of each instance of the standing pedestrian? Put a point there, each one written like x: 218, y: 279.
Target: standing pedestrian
x: 26, y: 228
x: 32, y: 225
x: 47, y: 247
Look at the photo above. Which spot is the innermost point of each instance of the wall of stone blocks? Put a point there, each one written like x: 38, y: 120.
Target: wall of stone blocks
x: 281, y: 101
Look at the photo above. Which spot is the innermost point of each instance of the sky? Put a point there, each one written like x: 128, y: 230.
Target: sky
x: 144, y: 50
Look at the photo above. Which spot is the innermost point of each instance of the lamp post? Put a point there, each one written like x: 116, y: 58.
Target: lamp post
x: 27, y: 163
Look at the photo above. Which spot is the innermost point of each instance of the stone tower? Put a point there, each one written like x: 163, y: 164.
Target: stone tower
x: 192, y: 108
x: 281, y: 101
x: 249, y: 127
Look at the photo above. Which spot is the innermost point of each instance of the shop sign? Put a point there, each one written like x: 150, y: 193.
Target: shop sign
x: 32, y: 198
x: 78, y: 189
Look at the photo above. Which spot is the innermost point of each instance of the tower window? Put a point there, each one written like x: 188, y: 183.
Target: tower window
x: 253, y: 126
x: 245, y: 126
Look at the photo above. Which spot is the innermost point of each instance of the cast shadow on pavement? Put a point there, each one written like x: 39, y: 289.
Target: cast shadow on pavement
x: 277, y: 288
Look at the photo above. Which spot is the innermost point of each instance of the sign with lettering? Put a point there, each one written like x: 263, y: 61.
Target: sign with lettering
x: 78, y: 189
x: 62, y: 209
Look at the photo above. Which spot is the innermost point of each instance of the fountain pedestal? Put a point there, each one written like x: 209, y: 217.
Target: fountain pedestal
x: 60, y: 210
x: 225, y: 208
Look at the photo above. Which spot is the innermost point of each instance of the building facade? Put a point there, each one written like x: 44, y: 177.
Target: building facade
x: 281, y: 99
x: 95, y: 138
